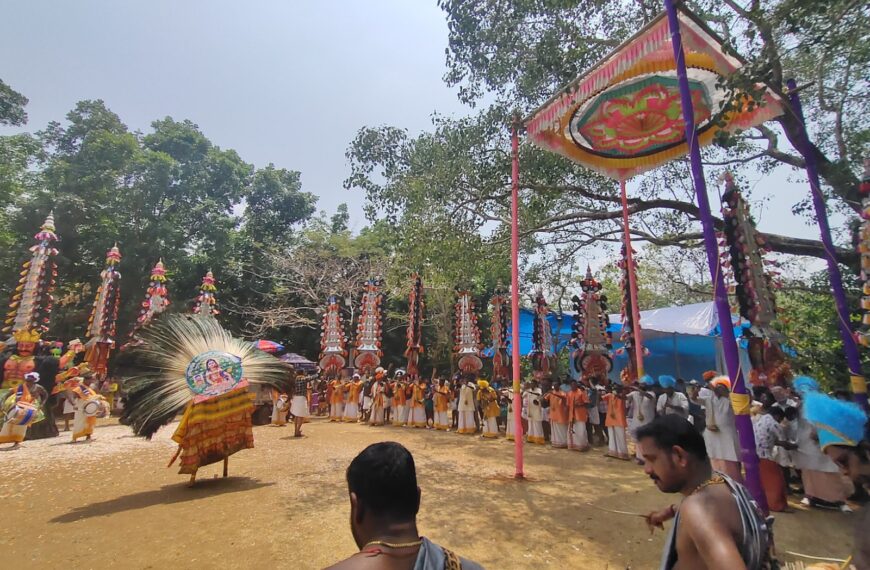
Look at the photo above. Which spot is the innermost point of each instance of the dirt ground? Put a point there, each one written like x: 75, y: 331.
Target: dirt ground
x: 112, y: 503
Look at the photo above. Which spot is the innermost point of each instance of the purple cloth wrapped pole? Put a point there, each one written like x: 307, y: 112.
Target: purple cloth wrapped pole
x: 729, y: 344
x: 859, y: 385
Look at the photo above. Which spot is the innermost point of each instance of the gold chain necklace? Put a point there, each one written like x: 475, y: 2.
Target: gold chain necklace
x: 412, y: 544
x: 714, y: 480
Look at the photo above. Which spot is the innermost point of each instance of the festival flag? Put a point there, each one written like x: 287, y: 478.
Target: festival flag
x: 415, y: 327
x: 104, y: 315
x: 30, y: 308
x: 467, y: 334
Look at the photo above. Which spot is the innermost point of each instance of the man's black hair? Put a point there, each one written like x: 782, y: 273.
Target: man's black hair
x: 384, y: 479
x: 670, y: 430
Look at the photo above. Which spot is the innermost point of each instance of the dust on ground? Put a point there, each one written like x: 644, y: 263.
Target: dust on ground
x: 112, y: 503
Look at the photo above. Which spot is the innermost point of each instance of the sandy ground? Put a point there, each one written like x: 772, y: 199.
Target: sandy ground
x: 113, y: 503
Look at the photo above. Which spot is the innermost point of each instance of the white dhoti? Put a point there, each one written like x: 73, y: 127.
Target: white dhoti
x: 406, y: 412
x: 336, y: 412
x: 490, y: 427
x: 577, y: 437
x: 299, y: 406
x: 536, y: 432
x: 279, y: 415
x: 442, y: 421
x: 12, y: 433
x: 417, y: 417
x: 377, y: 417
x: 398, y: 414
x: 558, y: 435
x: 351, y: 412
x: 509, y: 427
x: 617, y: 446
x: 367, y: 403
x: 466, y: 423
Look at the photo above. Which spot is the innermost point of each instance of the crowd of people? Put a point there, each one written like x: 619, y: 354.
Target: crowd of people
x: 584, y: 414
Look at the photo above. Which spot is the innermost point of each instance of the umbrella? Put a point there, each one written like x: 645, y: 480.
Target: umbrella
x: 268, y: 346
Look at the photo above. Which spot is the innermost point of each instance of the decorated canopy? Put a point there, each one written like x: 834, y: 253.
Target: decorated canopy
x: 624, y: 116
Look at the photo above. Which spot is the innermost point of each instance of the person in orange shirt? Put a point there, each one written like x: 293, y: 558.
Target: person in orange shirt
x: 558, y: 402
x: 442, y: 406
x: 487, y: 398
x: 578, y: 415
x: 336, y: 402
x: 351, y: 408
x: 616, y: 423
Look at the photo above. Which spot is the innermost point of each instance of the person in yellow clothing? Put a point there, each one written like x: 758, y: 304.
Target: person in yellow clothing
x: 336, y: 401
x: 400, y: 399
x: 442, y: 406
x: 21, y: 409
x: 417, y: 412
x: 351, y: 408
x: 487, y: 399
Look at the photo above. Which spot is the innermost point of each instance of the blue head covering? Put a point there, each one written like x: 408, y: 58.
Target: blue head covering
x: 667, y: 381
x: 647, y: 380
x: 837, y: 422
x: 804, y: 384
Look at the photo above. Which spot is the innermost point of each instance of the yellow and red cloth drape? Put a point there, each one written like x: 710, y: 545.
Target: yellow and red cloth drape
x: 214, y: 429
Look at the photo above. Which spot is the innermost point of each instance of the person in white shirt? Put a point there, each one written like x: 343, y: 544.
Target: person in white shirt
x: 672, y: 402
x: 720, y: 437
x: 642, y: 410
x: 533, y: 403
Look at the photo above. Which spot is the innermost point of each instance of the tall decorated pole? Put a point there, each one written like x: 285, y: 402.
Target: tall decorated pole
x: 370, y: 328
x: 591, y: 340
x: 333, y: 342
x: 740, y: 399
x: 30, y: 309
x: 515, y: 298
x: 415, y: 327
x: 632, y: 341
x: 499, y: 334
x: 850, y: 347
x: 104, y: 315
x: 206, y: 301
x: 754, y: 286
x: 466, y: 334
x: 156, y: 298
x: 543, y: 354
x: 863, y: 334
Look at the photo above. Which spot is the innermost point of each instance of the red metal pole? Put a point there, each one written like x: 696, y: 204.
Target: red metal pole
x: 515, y: 302
x: 632, y: 283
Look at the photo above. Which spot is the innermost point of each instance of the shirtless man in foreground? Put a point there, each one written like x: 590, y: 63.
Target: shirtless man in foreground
x: 708, y: 529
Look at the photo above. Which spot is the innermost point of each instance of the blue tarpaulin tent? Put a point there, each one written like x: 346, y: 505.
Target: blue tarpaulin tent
x: 682, y: 341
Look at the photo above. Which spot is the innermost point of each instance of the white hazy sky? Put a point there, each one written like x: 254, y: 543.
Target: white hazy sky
x: 279, y: 81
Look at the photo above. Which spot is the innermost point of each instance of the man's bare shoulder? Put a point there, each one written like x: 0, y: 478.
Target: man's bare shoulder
x: 351, y: 563
x: 712, y: 502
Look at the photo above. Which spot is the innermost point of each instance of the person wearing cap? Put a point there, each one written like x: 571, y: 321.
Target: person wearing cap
x: 720, y: 436
x: 823, y: 486
x: 487, y: 399
x: 671, y: 402
x: 24, y: 405
x: 842, y: 437
x: 642, y: 410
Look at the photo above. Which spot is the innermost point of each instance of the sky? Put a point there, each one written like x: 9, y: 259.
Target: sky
x: 281, y: 82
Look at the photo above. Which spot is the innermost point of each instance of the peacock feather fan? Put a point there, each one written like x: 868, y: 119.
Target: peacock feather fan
x: 156, y: 380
